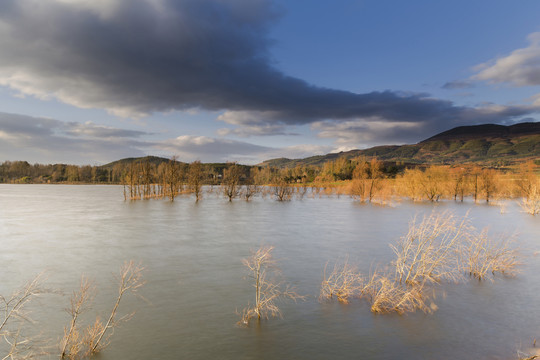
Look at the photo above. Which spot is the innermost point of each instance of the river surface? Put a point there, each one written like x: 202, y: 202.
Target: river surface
x: 196, y: 283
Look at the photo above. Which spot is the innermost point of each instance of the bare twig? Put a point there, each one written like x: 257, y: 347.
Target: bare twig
x: 72, y: 343
x: 130, y: 281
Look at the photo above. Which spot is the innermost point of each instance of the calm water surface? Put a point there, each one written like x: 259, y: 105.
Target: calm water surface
x: 193, y: 254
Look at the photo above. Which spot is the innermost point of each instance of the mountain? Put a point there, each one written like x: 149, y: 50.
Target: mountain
x: 487, y: 144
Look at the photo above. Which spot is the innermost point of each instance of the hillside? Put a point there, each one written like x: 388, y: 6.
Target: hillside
x: 154, y: 160
x: 488, y: 144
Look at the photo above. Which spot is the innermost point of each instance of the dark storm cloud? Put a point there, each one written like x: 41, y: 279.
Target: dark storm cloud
x: 142, y: 56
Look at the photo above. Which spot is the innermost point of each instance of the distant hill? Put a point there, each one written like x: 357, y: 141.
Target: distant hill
x: 154, y: 160
x: 216, y: 168
x: 487, y: 144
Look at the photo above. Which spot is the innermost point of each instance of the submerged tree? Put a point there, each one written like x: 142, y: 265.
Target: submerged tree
x: 366, y: 178
x: 269, y: 288
x: 79, y: 344
x: 231, y: 181
x: 72, y: 342
x: 281, y: 189
x: 173, y: 177
x: 130, y: 280
x: 195, y: 175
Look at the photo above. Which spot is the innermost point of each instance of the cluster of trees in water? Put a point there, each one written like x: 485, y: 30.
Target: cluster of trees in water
x: 366, y: 179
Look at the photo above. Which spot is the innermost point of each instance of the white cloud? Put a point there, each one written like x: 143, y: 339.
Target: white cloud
x: 520, y: 68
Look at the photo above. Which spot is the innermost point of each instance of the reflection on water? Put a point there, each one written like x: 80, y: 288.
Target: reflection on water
x: 195, y: 280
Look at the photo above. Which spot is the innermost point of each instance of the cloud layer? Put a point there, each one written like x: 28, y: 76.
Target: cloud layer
x: 138, y: 57
x: 52, y: 141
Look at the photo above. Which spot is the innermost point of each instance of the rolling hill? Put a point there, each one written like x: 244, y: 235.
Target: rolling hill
x: 487, y: 144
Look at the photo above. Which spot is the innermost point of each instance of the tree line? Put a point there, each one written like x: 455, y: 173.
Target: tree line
x: 365, y: 179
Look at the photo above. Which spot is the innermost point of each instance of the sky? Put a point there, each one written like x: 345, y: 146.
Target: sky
x: 94, y: 81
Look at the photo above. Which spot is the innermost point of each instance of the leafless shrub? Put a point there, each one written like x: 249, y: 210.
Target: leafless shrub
x: 90, y: 338
x: 344, y: 282
x: 531, y: 202
x: 387, y: 295
x: 428, y: 253
x: 269, y: 288
x: 440, y: 247
x: 482, y: 255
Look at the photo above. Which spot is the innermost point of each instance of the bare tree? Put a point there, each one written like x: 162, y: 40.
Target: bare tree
x: 195, y: 174
x: 71, y: 344
x: 251, y: 188
x: 130, y: 280
x: 458, y: 178
x: 269, y: 288
x: 281, y: 189
x: 231, y: 181
x: 475, y: 182
x: 173, y: 177
x: 489, y: 182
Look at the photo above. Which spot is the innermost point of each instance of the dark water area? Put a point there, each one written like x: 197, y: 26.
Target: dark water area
x: 196, y: 283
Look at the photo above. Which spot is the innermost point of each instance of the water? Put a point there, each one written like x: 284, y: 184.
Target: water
x: 192, y: 253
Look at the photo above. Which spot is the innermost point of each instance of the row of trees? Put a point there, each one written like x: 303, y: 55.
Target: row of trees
x: 23, y: 172
x: 434, y: 183
x: 365, y: 179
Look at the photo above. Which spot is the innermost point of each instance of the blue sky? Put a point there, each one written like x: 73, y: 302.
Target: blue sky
x: 92, y: 81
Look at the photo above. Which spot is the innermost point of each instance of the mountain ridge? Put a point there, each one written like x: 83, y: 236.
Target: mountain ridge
x: 488, y: 144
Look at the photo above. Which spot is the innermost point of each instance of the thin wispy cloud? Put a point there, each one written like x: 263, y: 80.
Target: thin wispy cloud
x: 458, y: 85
